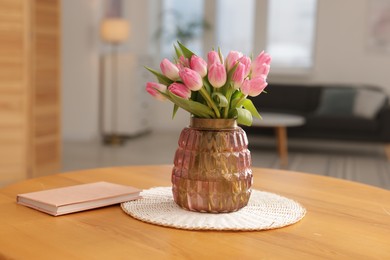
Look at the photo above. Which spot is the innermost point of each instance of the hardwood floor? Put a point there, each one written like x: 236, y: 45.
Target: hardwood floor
x: 361, y: 162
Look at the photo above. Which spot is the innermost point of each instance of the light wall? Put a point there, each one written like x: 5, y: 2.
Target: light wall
x: 80, y: 69
x: 341, y: 56
x: 341, y: 52
x: 81, y: 50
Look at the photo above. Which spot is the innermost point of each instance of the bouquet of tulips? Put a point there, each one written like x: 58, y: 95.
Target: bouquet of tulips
x: 217, y: 88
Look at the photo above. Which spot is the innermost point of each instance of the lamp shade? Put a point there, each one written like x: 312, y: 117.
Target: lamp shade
x: 114, y: 30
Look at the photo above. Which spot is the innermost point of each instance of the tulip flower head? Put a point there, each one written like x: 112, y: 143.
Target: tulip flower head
x: 261, y: 65
x: 253, y: 87
x: 212, y: 57
x: 238, y: 76
x: 183, y: 63
x: 232, y: 58
x: 191, y: 79
x: 217, y: 75
x: 169, y: 69
x: 153, y: 87
x: 262, y: 58
x: 247, y: 63
x: 199, y: 65
x: 216, y: 89
x: 180, y: 90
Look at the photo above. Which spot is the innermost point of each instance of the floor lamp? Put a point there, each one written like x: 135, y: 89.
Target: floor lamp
x: 114, y: 31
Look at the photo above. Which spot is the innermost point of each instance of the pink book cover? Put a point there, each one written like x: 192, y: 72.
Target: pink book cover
x: 75, y: 198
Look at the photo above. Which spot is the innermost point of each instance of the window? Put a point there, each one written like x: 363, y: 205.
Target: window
x: 235, y: 25
x: 290, y: 33
x: 181, y: 20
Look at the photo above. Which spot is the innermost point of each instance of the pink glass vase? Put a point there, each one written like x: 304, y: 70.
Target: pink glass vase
x: 212, y: 167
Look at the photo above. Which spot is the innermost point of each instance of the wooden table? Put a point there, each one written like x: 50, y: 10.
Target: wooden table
x: 345, y: 220
x: 280, y: 122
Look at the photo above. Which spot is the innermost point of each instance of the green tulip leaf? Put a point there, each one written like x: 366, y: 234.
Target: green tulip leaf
x: 220, y: 55
x: 160, y: 77
x: 229, y: 84
x: 186, y: 52
x: 236, y: 102
x: 244, y: 117
x: 231, y: 72
x: 236, y: 97
x: 220, y: 99
x: 251, y: 108
x: 207, y: 85
x: 193, y: 107
x: 194, y: 95
x: 178, y: 52
x: 175, y: 108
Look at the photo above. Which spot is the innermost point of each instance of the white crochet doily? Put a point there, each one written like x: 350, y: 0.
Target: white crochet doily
x: 264, y: 211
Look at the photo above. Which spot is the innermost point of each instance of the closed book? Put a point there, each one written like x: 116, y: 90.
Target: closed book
x: 76, y: 198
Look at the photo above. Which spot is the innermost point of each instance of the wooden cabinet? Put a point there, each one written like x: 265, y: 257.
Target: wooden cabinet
x: 29, y: 89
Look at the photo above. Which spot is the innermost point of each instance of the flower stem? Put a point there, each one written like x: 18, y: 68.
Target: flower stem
x: 229, y: 93
x: 209, y: 101
x: 238, y: 103
x: 241, y: 100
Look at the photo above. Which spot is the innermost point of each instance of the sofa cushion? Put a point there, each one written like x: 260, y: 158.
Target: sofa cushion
x: 336, y: 101
x: 368, y: 103
x: 342, y: 123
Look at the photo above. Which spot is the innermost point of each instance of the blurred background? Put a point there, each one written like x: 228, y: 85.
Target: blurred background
x: 66, y: 85
x: 310, y: 41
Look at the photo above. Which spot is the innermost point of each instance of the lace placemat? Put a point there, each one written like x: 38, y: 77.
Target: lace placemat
x: 264, y: 211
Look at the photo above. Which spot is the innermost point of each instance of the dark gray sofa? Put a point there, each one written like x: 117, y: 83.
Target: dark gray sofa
x: 334, y: 124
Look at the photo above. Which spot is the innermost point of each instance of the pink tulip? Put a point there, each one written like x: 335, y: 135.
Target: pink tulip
x: 212, y: 57
x: 217, y: 75
x: 199, y: 65
x: 232, y: 58
x: 238, y: 76
x: 253, y: 87
x: 183, y: 63
x: 261, y: 71
x: 247, y: 62
x: 261, y: 65
x: 152, y: 87
x: 191, y: 79
x: 169, y: 69
x: 180, y: 90
x: 263, y: 57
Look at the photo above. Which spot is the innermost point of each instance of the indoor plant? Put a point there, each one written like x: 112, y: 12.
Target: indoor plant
x: 212, y: 163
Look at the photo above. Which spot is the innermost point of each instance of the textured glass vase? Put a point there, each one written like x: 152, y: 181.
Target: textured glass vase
x: 212, y: 167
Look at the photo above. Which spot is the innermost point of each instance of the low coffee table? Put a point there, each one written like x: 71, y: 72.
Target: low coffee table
x: 280, y: 122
